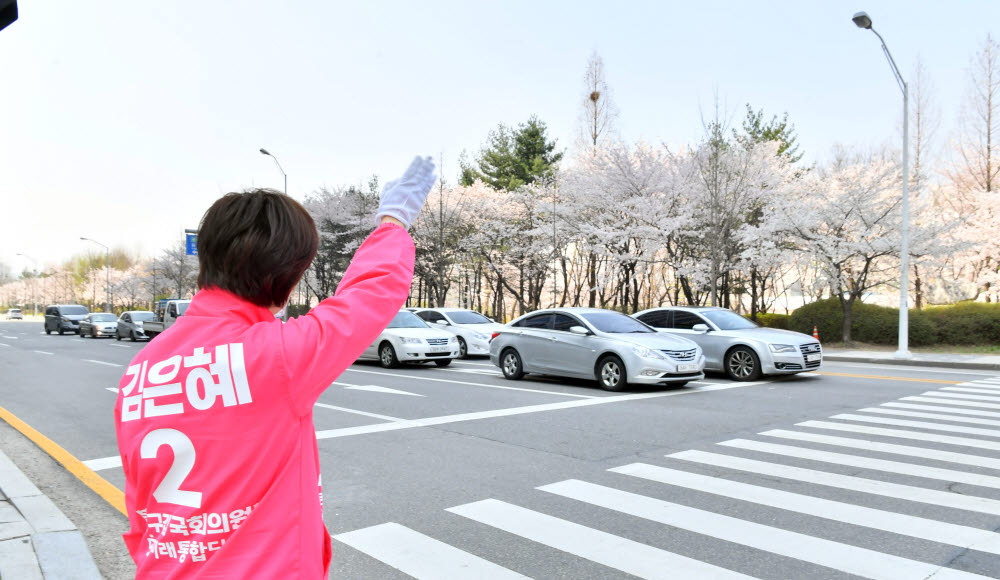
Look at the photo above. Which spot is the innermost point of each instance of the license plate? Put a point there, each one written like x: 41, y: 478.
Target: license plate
x: 686, y: 368
x: 439, y: 348
x: 814, y: 357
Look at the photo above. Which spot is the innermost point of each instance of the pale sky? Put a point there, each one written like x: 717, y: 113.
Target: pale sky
x: 122, y: 120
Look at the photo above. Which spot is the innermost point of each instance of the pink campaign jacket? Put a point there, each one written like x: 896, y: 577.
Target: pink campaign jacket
x: 215, y: 428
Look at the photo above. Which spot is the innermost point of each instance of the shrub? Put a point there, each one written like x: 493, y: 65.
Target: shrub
x: 965, y: 323
x: 774, y: 320
x: 869, y: 323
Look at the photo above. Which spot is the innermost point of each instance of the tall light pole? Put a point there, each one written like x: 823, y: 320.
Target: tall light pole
x: 107, y: 268
x: 266, y: 152
x: 862, y: 20
x: 34, y: 304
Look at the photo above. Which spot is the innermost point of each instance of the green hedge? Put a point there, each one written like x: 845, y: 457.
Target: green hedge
x: 964, y: 323
x: 774, y: 320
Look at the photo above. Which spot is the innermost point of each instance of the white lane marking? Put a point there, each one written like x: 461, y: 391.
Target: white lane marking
x: 613, y: 551
x: 922, y: 452
x: 477, y: 364
x: 994, y: 397
x: 919, y: 425
x: 104, y: 463
x: 949, y: 475
x: 113, y: 390
x: 941, y: 409
x: 906, y: 525
x: 99, y: 362
x: 120, y: 345
x: 356, y: 412
x: 2, y: 344
x: 853, y: 483
x: 911, y: 369
x: 445, y: 419
x: 923, y: 415
x: 378, y: 389
x: 411, y: 377
x: 992, y: 387
x: 10, y: 337
x: 474, y: 372
x: 952, y: 401
x: 904, y: 434
x: 43, y: 352
x: 834, y: 555
x: 421, y: 556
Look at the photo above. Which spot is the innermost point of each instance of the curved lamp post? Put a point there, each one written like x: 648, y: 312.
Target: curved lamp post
x: 862, y: 20
x: 107, y: 269
x: 266, y: 152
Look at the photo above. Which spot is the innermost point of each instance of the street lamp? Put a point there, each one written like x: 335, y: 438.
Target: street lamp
x: 107, y: 268
x: 266, y: 152
x: 862, y: 20
x: 34, y: 304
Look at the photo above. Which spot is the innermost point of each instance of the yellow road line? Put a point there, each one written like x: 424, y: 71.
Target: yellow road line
x: 885, y: 378
x: 98, y: 484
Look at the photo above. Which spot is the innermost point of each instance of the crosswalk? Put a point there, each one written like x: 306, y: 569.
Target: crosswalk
x: 887, y: 474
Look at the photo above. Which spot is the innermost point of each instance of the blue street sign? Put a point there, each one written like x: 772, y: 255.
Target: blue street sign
x: 192, y: 244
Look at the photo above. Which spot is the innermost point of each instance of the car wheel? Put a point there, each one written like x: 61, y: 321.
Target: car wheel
x: 443, y: 362
x: 743, y: 364
x: 463, y: 349
x: 387, y: 356
x: 118, y: 337
x: 131, y: 334
x: 510, y: 364
x: 47, y: 331
x: 611, y: 374
x: 93, y: 333
x: 60, y: 331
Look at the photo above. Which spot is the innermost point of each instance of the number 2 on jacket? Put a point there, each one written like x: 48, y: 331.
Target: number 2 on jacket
x: 169, y: 490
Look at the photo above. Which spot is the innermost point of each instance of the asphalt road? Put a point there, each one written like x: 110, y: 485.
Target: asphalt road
x: 855, y: 471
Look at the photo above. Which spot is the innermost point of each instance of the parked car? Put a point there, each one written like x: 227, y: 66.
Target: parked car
x: 472, y: 328
x: 735, y: 345
x: 14, y: 314
x: 64, y: 317
x: 98, y: 324
x: 591, y: 343
x: 130, y: 324
x: 409, y: 339
x: 166, y: 312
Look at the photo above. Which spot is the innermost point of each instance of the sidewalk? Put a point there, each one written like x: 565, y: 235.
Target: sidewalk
x: 986, y: 362
x: 37, y: 541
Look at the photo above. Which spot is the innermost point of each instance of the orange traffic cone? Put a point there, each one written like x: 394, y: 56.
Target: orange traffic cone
x: 815, y: 333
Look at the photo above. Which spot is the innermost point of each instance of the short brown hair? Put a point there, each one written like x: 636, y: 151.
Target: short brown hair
x: 256, y: 244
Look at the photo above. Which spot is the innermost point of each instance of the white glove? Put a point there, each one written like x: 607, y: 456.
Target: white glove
x: 404, y: 198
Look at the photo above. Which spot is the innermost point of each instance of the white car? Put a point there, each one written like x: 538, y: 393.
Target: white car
x: 409, y: 339
x: 472, y: 328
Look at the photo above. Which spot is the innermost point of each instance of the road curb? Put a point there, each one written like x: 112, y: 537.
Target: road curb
x: 967, y: 365
x: 60, y: 551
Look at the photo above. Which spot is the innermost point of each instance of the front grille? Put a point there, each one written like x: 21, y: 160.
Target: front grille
x: 811, y: 348
x: 437, y: 341
x: 681, y: 355
x: 438, y: 354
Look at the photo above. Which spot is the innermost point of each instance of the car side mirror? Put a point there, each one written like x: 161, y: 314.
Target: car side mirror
x: 442, y: 322
x: 579, y: 330
x: 702, y: 328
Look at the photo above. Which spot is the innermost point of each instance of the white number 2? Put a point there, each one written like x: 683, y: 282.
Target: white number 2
x: 169, y: 490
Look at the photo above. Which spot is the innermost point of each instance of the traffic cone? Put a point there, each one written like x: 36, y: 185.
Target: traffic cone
x: 815, y: 333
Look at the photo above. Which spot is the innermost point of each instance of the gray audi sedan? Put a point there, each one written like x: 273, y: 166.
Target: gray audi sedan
x: 591, y: 343
x: 736, y: 345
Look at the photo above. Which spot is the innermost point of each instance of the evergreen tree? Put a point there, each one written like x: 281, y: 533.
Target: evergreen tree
x: 513, y: 157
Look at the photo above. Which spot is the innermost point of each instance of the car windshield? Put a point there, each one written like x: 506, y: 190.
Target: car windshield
x: 728, y: 320
x: 104, y: 318
x: 75, y: 311
x: 406, y: 320
x: 15, y: 311
x: 468, y: 317
x: 615, y: 323
x: 182, y: 308
x: 141, y: 316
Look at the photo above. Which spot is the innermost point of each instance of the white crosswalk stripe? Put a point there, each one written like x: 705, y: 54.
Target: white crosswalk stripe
x: 993, y: 395
x: 783, y: 488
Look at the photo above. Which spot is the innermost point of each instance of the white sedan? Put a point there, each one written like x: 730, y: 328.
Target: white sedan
x: 472, y: 328
x: 410, y: 339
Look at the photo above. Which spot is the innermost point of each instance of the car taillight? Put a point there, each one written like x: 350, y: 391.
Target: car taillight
x: 494, y: 335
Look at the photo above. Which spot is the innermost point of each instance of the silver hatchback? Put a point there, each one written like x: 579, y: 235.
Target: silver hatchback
x: 591, y: 343
x: 736, y: 345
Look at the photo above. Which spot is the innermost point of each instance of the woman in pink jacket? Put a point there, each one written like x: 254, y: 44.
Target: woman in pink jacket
x: 214, y: 417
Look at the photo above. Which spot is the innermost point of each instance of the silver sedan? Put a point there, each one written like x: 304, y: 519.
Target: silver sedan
x: 735, y: 345
x: 591, y: 343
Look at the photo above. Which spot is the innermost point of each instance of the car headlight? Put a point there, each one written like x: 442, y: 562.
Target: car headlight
x: 408, y: 340
x: 64, y: 319
x: 781, y: 348
x: 453, y: 339
x: 138, y: 324
x: 648, y: 352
